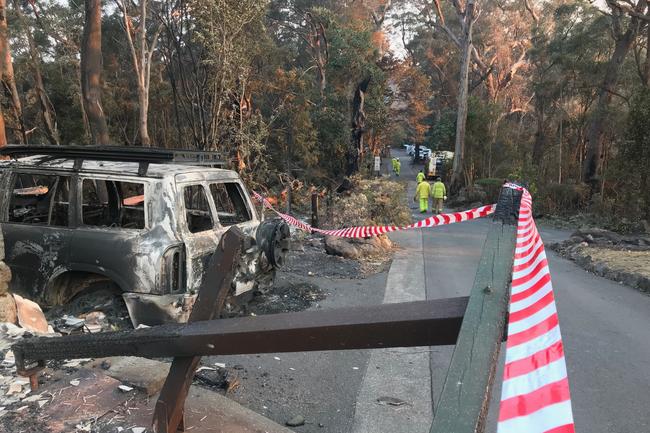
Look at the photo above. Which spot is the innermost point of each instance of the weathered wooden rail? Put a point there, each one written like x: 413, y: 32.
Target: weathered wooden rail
x: 475, y: 325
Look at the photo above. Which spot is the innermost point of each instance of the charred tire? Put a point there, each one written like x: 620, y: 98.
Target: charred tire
x: 273, y: 238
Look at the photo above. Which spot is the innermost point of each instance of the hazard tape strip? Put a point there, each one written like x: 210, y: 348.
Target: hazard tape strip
x: 369, y: 231
x: 535, y: 395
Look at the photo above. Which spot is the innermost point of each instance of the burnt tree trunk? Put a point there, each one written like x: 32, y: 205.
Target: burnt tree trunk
x: 7, y: 76
x: 457, y: 178
x: 91, y: 69
x: 358, y: 127
x: 47, y: 110
x: 4, y: 45
x: 540, y: 134
x: 317, y: 41
x: 3, y: 135
x: 142, y: 55
x: 593, y: 162
x: 646, y: 65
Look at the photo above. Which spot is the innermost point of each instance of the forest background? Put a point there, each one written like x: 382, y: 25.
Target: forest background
x: 301, y: 93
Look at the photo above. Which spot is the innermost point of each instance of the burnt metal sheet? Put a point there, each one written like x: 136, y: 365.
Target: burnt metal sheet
x: 420, y: 323
x: 154, y: 310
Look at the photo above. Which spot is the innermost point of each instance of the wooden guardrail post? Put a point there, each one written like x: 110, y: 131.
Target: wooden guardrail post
x: 314, y: 209
x: 169, y: 412
x: 463, y: 403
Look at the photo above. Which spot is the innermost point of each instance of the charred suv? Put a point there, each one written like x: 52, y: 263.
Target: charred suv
x: 142, y: 221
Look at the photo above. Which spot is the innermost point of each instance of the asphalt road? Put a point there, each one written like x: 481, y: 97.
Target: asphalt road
x: 605, y: 327
x: 322, y: 387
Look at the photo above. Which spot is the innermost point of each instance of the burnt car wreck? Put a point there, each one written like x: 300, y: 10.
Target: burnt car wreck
x: 144, y: 222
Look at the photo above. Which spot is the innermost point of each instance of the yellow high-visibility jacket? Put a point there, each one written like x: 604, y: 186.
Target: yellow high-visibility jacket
x: 438, y: 190
x: 419, y: 177
x: 423, y: 190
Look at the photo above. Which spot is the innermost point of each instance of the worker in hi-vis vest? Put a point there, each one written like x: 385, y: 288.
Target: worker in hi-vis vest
x: 422, y: 193
x: 420, y: 177
x: 439, y: 194
x: 398, y: 166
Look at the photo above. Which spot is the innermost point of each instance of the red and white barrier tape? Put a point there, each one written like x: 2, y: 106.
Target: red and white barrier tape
x: 368, y: 231
x: 535, y: 394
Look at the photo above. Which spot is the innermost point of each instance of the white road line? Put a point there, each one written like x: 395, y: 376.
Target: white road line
x: 399, y: 373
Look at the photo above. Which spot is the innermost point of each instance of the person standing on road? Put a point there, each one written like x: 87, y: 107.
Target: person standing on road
x: 439, y: 194
x: 420, y: 177
x: 398, y: 166
x: 393, y: 163
x: 422, y: 193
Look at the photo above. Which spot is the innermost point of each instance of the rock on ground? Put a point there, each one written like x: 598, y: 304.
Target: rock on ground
x: 341, y: 247
x: 357, y: 247
x: 8, y: 311
x: 296, y: 421
x: 5, y: 277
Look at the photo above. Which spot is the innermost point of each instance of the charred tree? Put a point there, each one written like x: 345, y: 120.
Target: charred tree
x: 47, y: 109
x: 4, y: 46
x: 141, y: 54
x: 593, y: 163
x: 317, y: 41
x: 3, y: 135
x: 358, y: 127
x: 457, y: 178
x: 7, y: 76
x: 540, y: 134
x: 91, y: 69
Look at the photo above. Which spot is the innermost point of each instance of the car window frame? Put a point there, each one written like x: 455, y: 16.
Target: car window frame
x: 128, y: 179
x: 8, y: 179
x: 242, y: 191
x: 216, y: 225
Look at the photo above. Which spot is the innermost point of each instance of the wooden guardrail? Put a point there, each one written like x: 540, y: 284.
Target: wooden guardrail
x: 465, y: 396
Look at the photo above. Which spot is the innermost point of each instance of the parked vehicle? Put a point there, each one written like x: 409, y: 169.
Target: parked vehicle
x: 425, y: 152
x: 142, y: 221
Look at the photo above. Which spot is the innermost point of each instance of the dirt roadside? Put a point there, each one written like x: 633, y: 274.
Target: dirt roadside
x: 621, y: 258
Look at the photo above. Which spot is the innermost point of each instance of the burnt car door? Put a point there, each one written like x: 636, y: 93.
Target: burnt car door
x: 198, y: 225
x: 36, y: 229
x: 233, y: 207
x: 110, y: 220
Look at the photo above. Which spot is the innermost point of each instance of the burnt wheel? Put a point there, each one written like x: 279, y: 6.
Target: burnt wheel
x: 273, y: 238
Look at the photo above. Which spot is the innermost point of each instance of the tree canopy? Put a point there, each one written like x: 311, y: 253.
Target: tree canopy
x: 309, y: 91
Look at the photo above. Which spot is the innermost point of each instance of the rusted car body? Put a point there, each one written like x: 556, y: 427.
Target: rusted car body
x: 69, y: 224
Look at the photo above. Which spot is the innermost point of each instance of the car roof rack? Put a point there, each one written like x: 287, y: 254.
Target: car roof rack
x: 142, y: 155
